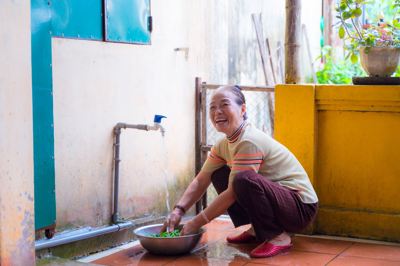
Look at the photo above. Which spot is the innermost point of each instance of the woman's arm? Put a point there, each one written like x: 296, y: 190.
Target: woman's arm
x: 192, y: 194
x: 219, y: 205
x: 195, y: 190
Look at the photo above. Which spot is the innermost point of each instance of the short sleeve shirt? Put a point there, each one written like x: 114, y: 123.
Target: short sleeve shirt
x: 252, y: 149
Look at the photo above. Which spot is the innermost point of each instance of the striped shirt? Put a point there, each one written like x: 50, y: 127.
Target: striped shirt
x: 251, y: 149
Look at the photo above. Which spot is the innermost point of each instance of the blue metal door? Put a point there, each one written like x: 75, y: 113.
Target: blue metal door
x: 128, y: 21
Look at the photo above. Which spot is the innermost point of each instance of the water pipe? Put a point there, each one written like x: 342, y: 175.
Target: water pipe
x: 118, y: 224
x: 81, y: 235
x: 117, y: 133
x: 89, y: 232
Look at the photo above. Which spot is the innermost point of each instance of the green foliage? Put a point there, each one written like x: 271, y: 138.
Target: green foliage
x: 374, y: 10
x: 174, y: 233
x: 376, y: 31
x: 397, y: 73
x: 335, y: 71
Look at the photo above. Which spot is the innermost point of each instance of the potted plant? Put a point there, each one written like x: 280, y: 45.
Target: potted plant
x: 377, y: 42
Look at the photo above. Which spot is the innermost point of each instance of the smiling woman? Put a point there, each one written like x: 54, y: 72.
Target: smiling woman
x: 224, y: 114
x: 259, y: 182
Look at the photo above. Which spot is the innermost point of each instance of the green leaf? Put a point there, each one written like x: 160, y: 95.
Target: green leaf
x: 341, y: 32
x: 354, y: 58
x: 174, y: 233
x: 396, y: 23
x: 357, y: 12
x: 342, y: 6
x: 346, y: 15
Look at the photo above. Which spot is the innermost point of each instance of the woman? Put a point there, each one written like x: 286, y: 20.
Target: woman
x: 259, y: 181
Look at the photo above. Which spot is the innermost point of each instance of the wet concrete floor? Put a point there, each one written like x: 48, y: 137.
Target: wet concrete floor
x: 214, y: 250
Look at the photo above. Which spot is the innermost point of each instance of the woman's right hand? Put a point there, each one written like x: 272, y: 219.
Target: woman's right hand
x: 173, y: 220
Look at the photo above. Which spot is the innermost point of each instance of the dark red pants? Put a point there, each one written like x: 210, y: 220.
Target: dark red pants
x: 268, y: 206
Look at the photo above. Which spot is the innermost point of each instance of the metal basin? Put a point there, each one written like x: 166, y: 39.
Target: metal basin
x: 166, y: 245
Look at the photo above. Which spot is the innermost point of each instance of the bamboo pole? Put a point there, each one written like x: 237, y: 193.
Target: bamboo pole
x: 310, y: 60
x: 279, y: 56
x: 292, y: 41
x: 269, y: 53
x: 257, y: 21
x: 268, y: 75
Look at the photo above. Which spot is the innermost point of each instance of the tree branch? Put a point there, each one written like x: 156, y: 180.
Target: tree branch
x: 352, y: 22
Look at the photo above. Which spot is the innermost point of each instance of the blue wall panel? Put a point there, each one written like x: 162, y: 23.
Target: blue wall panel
x: 127, y: 21
x: 42, y: 104
x: 80, y: 19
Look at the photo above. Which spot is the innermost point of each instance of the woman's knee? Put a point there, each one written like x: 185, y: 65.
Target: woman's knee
x: 219, y: 179
x: 241, y: 181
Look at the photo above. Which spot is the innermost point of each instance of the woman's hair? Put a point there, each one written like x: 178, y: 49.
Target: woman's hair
x: 240, y: 99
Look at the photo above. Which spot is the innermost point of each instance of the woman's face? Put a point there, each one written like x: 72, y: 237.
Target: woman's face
x: 225, y: 114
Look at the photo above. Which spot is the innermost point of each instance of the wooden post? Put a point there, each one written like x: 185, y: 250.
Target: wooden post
x: 203, y: 139
x: 198, y: 135
x: 292, y: 41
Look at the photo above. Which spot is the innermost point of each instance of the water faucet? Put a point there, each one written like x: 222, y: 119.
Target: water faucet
x: 156, y: 126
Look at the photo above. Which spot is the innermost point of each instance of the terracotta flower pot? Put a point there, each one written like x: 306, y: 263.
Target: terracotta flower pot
x: 379, y: 61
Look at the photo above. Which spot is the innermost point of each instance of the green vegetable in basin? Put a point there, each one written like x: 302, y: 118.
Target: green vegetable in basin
x: 174, y: 233
x: 166, y: 243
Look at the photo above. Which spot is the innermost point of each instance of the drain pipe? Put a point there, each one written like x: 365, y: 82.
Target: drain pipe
x: 81, y: 235
x: 118, y: 224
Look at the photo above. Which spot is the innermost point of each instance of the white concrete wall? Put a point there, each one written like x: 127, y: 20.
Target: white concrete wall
x: 98, y: 84
x: 16, y: 144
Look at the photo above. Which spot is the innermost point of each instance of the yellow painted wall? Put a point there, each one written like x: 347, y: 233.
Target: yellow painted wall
x: 354, y: 164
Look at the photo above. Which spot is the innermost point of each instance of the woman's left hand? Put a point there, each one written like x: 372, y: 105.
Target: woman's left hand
x: 190, y: 228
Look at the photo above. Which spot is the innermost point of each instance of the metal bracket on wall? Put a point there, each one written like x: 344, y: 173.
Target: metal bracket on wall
x: 183, y: 49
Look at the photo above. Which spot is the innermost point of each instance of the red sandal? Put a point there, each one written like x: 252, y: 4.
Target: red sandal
x: 242, y: 238
x: 267, y: 249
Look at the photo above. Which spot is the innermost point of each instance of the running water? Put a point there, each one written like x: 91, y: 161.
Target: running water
x: 164, y: 157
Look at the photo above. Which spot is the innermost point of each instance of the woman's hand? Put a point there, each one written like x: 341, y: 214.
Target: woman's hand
x: 190, y: 227
x: 173, y: 220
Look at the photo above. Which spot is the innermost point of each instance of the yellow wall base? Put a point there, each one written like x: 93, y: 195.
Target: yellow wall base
x: 348, y: 140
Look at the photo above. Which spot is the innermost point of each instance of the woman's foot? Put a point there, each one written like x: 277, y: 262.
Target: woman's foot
x: 281, y: 240
x: 273, y: 247
x: 245, y: 237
